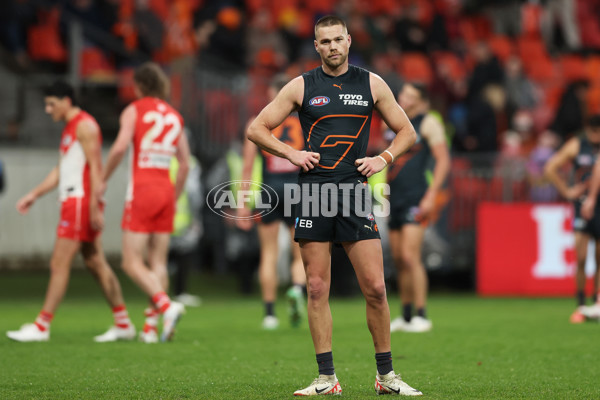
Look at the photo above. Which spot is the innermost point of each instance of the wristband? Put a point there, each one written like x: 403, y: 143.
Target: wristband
x: 383, y: 160
x: 390, y: 153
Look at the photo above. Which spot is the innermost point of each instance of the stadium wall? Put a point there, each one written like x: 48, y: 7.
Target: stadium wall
x: 27, y: 241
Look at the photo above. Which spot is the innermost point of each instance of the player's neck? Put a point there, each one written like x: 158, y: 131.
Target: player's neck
x: 73, y: 111
x: 340, y: 70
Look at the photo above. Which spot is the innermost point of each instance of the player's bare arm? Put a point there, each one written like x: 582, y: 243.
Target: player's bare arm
x: 248, y: 155
x: 182, y: 153
x: 432, y: 131
x: 124, y: 139
x: 395, y: 118
x: 49, y: 183
x: 259, y: 131
x: 88, y: 136
x: 565, y: 155
x: 589, y: 204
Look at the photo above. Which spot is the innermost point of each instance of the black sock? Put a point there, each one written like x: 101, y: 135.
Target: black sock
x: 384, y: 363
x: 421, y: 312
x: 407, y: 311
x: 325, y: 362
x: 580, y: 298
x: 269, y: 310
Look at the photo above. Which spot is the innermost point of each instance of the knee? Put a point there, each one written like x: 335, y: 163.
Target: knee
x: 93, y: 264
x: 409, y: 262
x: 375, y: 293
x: 317, y: 288
x: 57, y: 267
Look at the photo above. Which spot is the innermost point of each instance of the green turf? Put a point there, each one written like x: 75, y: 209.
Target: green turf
x: 479, y: 349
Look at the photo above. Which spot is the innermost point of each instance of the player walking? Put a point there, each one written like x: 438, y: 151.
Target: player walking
x: 154, y: 129
x: 78, y: 177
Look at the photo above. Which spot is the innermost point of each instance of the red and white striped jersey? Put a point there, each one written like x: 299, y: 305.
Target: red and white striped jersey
x: 74, y: 170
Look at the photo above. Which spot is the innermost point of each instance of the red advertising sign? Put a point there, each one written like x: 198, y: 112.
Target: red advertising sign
x: 527, y: 249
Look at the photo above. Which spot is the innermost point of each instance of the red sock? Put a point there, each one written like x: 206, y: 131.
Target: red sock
x: 43, y: 320
x: 121, y: 316
x: 161, y: 301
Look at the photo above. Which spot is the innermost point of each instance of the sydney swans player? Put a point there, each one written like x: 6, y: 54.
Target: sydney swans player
x: 154, y: 129
x: 78, y: 177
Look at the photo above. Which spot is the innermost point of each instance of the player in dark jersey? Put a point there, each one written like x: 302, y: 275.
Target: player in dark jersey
x: 412, y: 200
x: 582, y: 151
x: 335, y: 102
x: 276, y: 172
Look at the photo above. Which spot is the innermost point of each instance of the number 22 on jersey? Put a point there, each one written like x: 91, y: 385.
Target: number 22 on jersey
x: 158, y: 143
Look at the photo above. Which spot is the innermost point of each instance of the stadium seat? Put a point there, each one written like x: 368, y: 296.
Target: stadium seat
x: 451, y: 61
x: 43, y: 40
x: 475, y: 28
x: 536, y: 61
x: 415, y: 67
x: 593, y: 99
x: 572, y: 67
x: 592, y: 68
x: 95, y: 64
x: 530, y: 20
x: 502, y: 46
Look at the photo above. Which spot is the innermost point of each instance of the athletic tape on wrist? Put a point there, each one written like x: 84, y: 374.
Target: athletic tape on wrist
x: 390, y: 153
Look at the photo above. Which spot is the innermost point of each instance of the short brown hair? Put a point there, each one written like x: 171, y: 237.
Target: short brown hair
x: 152, y: 81
x: 330, y: 20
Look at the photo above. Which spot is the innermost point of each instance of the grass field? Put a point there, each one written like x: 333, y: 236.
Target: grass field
x: 479, y: 349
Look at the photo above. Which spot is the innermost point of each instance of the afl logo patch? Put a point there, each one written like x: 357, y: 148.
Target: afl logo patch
x: 319, y: 101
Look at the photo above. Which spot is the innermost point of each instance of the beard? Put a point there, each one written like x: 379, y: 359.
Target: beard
x: 333, y: 64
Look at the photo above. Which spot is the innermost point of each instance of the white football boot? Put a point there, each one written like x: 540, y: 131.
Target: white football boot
x: 398, y: 325
x: 149, y: 337
x: 418, y: 324
x: 324, y: 384
x: 29, y: 333
x: 170, y: 319
x: 393, y: 384
x: 591, y: 312
x: 115, y: 333
x: 270, y: 322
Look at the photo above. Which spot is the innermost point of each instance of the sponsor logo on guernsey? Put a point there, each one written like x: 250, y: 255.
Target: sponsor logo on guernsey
x: 353, y: 100
x: 319, y: 101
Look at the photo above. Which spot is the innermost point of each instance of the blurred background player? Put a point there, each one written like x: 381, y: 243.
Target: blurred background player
x: 276, y: 172
x: 582, y: 152
x: 78, y: 176
x: 187, y: 230
x: 154, y: 128
x: 412, y: 202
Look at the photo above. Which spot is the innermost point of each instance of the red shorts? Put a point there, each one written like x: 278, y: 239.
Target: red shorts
x: 150, y: 211
x: 75, y: 220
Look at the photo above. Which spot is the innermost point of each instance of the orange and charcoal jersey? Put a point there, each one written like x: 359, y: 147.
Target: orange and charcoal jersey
x: 277, y: 171
x: 336, y: 118
x: 150, y: 202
